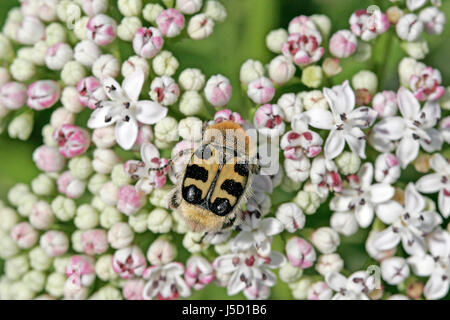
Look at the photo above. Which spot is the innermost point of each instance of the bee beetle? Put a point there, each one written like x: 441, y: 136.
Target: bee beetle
x: 216, y: 181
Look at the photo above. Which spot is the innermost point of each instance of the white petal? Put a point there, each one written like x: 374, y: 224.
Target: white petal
x: 183, y: 288
x: 440, y: 164
x: 334, y: 145
x: 386, y: 240
x: 422, y: 266
x: 436, y: 287
x: 392, y: 128
x: 271, y: 226
x: 434, y: 141
x: 415, y: 4
x: 362, y: 117
x: 389, y: 211
x: 431, y: 113
x: 414, y: 202
x: 340, y: 203
x: 126, y: 133
x: 149, y: 152
x: 150, y: 112
x: 242, y: 241
x: 381, y: 192
x: 132, y: 85
x: 364, y: 215
x: 430, y: 183
x: 407, y: 151
x: 439, y: 243
x: 224, y: 264
x: 408, y: 104
x: 276, y: 260
x: 236, y: 284
x: 320, y: 119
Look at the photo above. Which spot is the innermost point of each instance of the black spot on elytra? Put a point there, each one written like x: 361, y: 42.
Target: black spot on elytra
x: 192, y: 194
x: 241, y: 169
x: 221, y: 207
x: 204, y: 152
x: 232, y: 187
x: 196, y: 172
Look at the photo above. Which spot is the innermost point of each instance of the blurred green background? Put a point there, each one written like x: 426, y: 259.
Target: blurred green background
x: 241, y: 37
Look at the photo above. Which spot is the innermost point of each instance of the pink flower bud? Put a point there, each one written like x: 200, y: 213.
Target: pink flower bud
x: 300, y: 253
x: 129, y: 201
x: 147, y: 42
x: 303, y: 49
x: 368, y: 25
x: 43, y: 94
x: 170, y: 22
x: 24, y: 235
x: 72, y: 140
x: 145, y: 135
x: 101, y: 29
x: 13, y: 95
x: 133, y: 289
x: 41, y: 216
x: 30, y: 31
x: 269, y: 120
x: 80, y: 270
x: 90, y: 92
x: 129, y: 262
x: 218, y: 91
x: 48, y: 159
x: 426, y: 85
x: 54, y: 243
x: 164, y: 90
x: 58, y: 55
x: 227, y: 114
x: 261, y: 90
x: 343, y: 44
x: 301, y: 24
x: 199, y: 272
x: 385, y: 103
x: 94, y: 241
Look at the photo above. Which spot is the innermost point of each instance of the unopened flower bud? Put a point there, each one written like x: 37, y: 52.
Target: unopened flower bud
x: 151, y: 11
x: 120, y: 235
x: 106, y: 66
x: 417, y: 49
x: 128, y: 28
x: 328, y: 263
x: 103, y: 268
x: 101, y: 29
x: 24, y: 235
x: 289, y: 273
x: 8, y: 219
x: 22, y: 70
x: 409, y: 27
x: 87, y: 52
x: 104, y: 160
x: 54, y: 243
x: 189, y: 6
x: 30, y: 31
x: 16, y: 267
x: 129, y: 201
x: 191, y: 103
x: 87, y: 217
x: 300, y: 253
x: 394, y: 270
x: 109, y: 217
x: 275, y: 40
x: 72, y: 72
x: 64, y: 208
x: 291, y: 216
x: 58, y: 55
x: 130, y: 8
x: 13, y: 95
x: 365, y: 80
x: 159, y: 221
x: 348, y: 163
x: 343, y: 44
x: 164, y: 90
x: 48, y: 159
x: 55, y: 33
x: 108, y: 193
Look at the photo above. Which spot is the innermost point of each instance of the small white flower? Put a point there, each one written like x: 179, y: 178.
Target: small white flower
x: 329, y: 263
x: 325, y: 239
x: 165, y: 282
x: 344, y: 122
x: 291, y: 216
x: 125, y: 110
